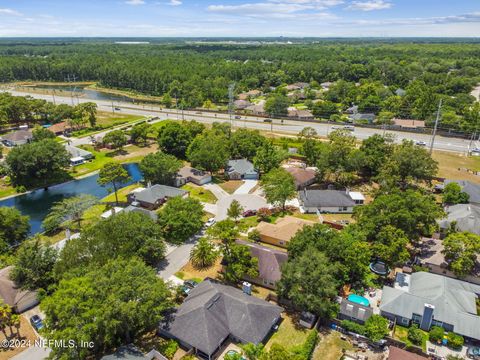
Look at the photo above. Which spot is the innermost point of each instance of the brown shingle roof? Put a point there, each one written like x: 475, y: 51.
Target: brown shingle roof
x: 59, y: 128
x: 396, y: 353
x: 284, y: 229
x: 301, y: 176
x: 12, y: 295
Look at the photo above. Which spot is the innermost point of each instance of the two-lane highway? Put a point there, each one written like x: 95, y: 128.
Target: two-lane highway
x: 288, y: 127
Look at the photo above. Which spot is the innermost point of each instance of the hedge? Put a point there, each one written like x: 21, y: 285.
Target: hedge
x: 353, y: 327
x: 436, y: 334
x: 455, y: 341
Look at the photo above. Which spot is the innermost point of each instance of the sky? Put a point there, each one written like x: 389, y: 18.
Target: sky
x: 240, y: 18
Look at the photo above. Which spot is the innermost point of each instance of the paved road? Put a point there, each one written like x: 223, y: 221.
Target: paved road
x: 252, y: 122
x: 176, y: 259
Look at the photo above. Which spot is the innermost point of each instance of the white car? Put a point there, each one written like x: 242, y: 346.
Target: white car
x: 210, y: 222
x: 420, y: 143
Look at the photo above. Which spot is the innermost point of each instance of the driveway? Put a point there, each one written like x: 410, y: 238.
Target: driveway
x: 33, y: 353
x: 246, y: 187
x: 216, y: 190
x: 248, y: 202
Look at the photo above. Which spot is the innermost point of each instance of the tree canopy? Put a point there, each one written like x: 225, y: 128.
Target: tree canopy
x: 160, y: 168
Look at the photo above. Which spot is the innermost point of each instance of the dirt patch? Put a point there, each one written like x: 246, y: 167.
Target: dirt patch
x: 190, y: 272
x: 231, y: 185
x: 330, y: 346
x: 26, y: 335
x: 456, y: 166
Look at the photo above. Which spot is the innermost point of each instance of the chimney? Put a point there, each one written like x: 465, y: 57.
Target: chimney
x: 149, y: 185
x: 247, y: 288
x: 347, y: 191
x: 427, y: 317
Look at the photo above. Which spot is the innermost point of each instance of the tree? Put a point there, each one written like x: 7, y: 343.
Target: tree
x: 173, y: 138
x: 160, y: 168
x: 307, y: 133
x: 415, y: 335
x: 38, y: 163
x: 180, y: 219
x: 253, y: 351
x: 325, y: 109
x: 410, y: 211
x: 139, y: 133
x: 68, y: 211
x: 87, y: 111
x: 33, y: 267
x: 376, y: 327
x: 308, y: 281
x: 268, y: 157
x: 375, y: 150
x: 209, y: 151
x: 453, y: 194
x: 239, y: 262
x: 123, y: 235
x: 278, y: 186
x: 167, y: 100
x: 14, y: 228
x: 110, y: 305
x: 40, y: 133
x: 113, y: 174
x: 235, y: 210
x: 277, y: 105
x: 116, y: 139
x: 461, y: 251
x: 203, y: 254
x: 390, y: 245
x: 244, y: 143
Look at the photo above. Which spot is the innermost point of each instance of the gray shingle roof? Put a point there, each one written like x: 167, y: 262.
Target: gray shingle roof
x: 130, y: 352
x: 472, y: 189
x: 325, y: 198
x: 18, y: 135
x: 454, y: 301
x: 355, y: 310
x: 242, y: 166
x: 157, y: 192
x: 151, y: 214
x: 465, y: 216
x: 213, y: 311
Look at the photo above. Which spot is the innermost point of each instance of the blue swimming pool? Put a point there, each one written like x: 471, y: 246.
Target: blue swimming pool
x: 358, y: 299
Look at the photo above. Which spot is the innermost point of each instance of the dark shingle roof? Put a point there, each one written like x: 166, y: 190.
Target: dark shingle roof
x: 18, y: 135
x: 213, y: 311
x: 242, y: 166
x: 472, y: 189
x: 325, y: 198
x: 157, y: 192
x: 130, y: 352
x: 151, y: 214
x: 355, y: 310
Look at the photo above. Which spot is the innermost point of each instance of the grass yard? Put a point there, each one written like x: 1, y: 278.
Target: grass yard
x: 199, y: 193
x: 122, y: 193
x: 449, y: 163
x: 330, y: 346
x: 6, y: 190
x: 107, y: 119
x: 231, y: 185
x: 27, y: 334
x: 401, y: 333
x: 190, y: 272
x: 288, y: 334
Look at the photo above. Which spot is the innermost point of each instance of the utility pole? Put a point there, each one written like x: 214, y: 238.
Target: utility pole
x: 436, y: 126
x: 231, y: 108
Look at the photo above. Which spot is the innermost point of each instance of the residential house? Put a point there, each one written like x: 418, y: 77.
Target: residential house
x: 471, y: 188
x: 296, y: 95
x: 151, y: 214
x: 17, y: 138
x: 409, y: 124
x: 326, y: 85
x: 256, y: 109
x: 153, y: 196
x: 362, y: 118
x: 352, y: 109
x: 395, y: 353
x: 11, y: 294
x: 60, y: 128
x: 300, y: 114
x: 329, y: 201
x: 214, y: 313
x: 433, y: 300
x: 354, y: 312
x: 270, y: 262
x: 400, y: 92
x: 249, y: 94
x: 431, y: 257
x: 78, y: 155
x: 131, y: 352
x: 241, y: 169
x: 282, y: 231
x: 189, y: 174
x: 303, y: 176
x: 241, y: 104
x: 465, y: 217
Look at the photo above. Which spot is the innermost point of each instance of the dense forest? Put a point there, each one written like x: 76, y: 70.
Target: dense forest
x: 364, y: 73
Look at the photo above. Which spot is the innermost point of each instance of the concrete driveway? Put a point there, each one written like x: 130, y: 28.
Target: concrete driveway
x: 246, y: 187
x: 248, y: 202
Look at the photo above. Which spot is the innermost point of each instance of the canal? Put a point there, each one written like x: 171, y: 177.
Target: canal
x: 37, y: 204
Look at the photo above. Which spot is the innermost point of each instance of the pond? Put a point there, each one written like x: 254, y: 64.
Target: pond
x: 37, y: 204
x: 86, y: 93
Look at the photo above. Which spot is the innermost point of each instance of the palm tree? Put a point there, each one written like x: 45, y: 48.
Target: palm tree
x: 203, y: 254
x: 15, y: 321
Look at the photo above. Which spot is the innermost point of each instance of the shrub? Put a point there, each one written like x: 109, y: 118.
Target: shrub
x: 455, y: 341
x: 415, y: 335
x: 305, y: 351
x: 436, y: 334
x: 169, y: 348
x: 353, y: 327
x: 376, y: 327
x: 254, y: 235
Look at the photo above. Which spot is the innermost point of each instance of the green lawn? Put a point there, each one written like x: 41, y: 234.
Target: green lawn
x: 288, y: 334
x: 122, y: 193
x: 107, y: 120
x: 331, y: 346
x: 401, y: 333
x: 199, y: 193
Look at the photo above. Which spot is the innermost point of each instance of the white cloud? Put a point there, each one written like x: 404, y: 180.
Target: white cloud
x: 5, y: 11
x: 135, y: 2
x: 175, y: 2
x: 370, y: 5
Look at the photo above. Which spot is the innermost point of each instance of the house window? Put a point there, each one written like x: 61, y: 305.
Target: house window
x: 405, y: 321
x: 437, y: 323
x: 416, y: 318
x: 282, y: 242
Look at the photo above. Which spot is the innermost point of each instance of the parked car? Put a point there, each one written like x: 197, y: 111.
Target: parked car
x: 349, y: 127
x: 238, y: 117
x: 36, y: 322
x: 249, y: 213
x: 420, y: 143
x: 118, y: 109
x: 267, y: 120
x: 210, y: 222
x: 188, y: 285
